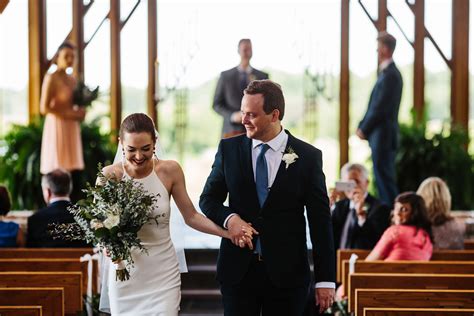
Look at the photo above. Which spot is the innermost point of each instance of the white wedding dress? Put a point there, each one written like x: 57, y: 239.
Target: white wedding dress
x: 154, y: 287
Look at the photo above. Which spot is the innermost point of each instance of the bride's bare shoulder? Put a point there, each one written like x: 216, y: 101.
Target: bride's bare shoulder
x: 114, y: 170
x: 167, y: 166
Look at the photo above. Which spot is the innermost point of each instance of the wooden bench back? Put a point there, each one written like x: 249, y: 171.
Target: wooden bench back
x: 51, y: 299
x: 438, y: 255
x: 71, y: 282
x: 21, y: 311
x: 402, y: 298
x: 440, y: 267
x: 46, y: 253
x: 407, y: 281
x: 52, y: 265
x: 378, y: 311
x: 469, y: 244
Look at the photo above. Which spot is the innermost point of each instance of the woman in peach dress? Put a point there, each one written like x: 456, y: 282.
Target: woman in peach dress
x: 61, y: 145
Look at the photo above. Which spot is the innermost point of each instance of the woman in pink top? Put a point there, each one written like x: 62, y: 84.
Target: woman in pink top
x: 409, y: 238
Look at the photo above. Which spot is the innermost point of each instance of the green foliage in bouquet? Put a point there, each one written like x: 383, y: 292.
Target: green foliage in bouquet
x: 444, y: 155
x: 20, y: 166
x: 110, y: 217
x: 83, y: 96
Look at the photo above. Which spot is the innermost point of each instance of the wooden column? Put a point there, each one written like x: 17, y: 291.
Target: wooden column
x: 36, y: 54
x: 77, y: 37
x: 419, y: 63
x: 382, y: 16
x: 460, y: 64
x: 3, y: 5
x: 381, y: 20
x: 115, y: 82
x: 152, y: 68
x: 344, y: 86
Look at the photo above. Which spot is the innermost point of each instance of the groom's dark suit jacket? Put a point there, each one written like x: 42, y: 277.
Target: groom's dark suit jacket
x: 280, y: 222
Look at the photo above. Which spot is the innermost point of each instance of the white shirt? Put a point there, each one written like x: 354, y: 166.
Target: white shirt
x: 274, y: 155
x: 59, y: 198
x: 384, y: 64
x: 360, y: 220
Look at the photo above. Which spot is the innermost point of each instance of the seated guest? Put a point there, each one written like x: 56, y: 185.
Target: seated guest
x: 359, y: 219
x: 409, y: 238
x: 10, y: 232
x: 448, y: 233
x: 57, y: 186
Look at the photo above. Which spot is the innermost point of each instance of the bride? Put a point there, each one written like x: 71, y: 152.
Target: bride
x: 154, y: 284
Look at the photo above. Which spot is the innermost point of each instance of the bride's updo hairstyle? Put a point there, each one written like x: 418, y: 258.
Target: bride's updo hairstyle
x: 138, y: 123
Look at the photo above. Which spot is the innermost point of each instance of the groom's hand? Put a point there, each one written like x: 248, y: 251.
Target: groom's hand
x: 240, y: 232
x: 324, y: 298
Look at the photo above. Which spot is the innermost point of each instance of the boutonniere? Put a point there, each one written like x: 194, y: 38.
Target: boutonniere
x: 252, y: 77
x: 289, y: 157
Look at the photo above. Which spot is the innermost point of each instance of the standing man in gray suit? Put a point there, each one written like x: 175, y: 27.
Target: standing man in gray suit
x: 230, y: 90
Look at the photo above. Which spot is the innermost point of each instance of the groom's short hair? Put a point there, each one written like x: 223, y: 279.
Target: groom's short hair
x: 273, y: 98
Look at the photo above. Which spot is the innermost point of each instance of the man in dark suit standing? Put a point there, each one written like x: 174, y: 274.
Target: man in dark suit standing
x: 57, y: 186
x: 380, y: 124
x: 270, y: 177
x: 360, y: 219
x: 230, y: 90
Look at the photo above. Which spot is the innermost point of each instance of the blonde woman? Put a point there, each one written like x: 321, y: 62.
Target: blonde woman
x: 448, y: 233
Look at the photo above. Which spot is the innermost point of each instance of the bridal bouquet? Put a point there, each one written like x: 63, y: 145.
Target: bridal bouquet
x: 110, y: 218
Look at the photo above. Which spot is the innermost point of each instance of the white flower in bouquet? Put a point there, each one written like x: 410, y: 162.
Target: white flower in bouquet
x: 96, y: 224
x: 112, y: 220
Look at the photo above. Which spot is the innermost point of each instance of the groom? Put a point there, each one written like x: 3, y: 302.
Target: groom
x: 270, y: 177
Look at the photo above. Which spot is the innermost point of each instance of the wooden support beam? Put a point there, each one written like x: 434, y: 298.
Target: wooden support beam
x: 460, y: 64
x: 382, y: 16
x: 344, y: 86
x: 3, y: 5
x: 152, y: 65
x: 382, y: 20
x: 36, y: 54
x: 419, y: 63
x: 77, y: 37
x: 115, y: 81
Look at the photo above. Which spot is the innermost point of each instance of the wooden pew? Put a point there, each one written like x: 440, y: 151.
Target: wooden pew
x: 402, y: 298
x: 429, y: 267
x: 469, y: 244
x: 21, y: 311
x: 438, y: 255
x: 407, y: 281
x: 70, y: 282
x: 47, y: 253
x: 53, y: 253
x: 50, y: 298
x: 43, y: 265
x: 379, y: 311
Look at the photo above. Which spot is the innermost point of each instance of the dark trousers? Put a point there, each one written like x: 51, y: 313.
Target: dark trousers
x: 255, y: 295
x: 383, y: 159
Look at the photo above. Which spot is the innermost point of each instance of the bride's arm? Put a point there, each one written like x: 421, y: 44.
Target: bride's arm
x: 192, y: 217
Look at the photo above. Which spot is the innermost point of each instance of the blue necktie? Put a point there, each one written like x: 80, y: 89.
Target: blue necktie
x: 261, y: 175
x: 261, y: 182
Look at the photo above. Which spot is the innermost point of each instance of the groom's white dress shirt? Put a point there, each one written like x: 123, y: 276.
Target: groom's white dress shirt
x: 274, y: 156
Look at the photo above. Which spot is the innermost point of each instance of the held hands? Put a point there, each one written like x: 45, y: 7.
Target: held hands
x: 240, y: 232
x: 324, y: 298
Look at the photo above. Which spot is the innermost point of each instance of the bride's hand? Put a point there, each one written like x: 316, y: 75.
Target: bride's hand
x: 107, y: 253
